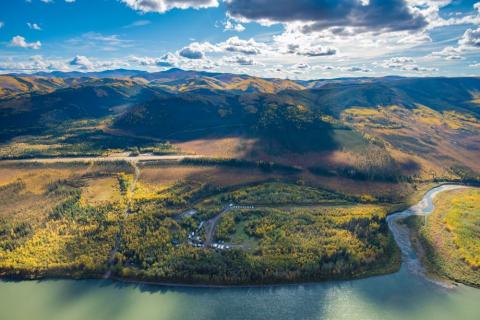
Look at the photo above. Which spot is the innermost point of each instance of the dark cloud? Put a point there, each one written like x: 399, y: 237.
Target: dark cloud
x: 380, y: 15
x: 241, y: 60
x: 191, y: 53
x: 318, y: 52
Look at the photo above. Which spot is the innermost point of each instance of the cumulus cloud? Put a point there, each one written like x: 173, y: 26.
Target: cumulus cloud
x: 405, y: 64
x: 162, y: 6
x: 193, y: 51
x: 230, y: 25
x: 380, y: 15
x: 397, y: 62
x: 1, y: 24
x: 416, y: 68
x: 197, y: 50
x: 413, y: 39
x: 167, y: 60
x: 318, y: 51
x: 240, y: 60
x: 355, y: 69
x: 19, y: 41
x: 82, y: 62
x: 344, y: 69
x: 250, y: 47
x: 34, y: 63
x: 431, y: 10
x: 33, y: 26
x: 471, y: 38
x: 449, y: 53
x: 301, y: 66
x: 143, y: 61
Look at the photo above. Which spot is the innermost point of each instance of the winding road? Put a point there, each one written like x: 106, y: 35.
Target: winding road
x: 211, y: 224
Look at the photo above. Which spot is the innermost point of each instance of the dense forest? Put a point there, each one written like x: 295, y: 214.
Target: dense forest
x: 279, y: 241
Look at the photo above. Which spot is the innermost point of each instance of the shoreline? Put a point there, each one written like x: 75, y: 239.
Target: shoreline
x: 393, y: 267
x: 167, y: 284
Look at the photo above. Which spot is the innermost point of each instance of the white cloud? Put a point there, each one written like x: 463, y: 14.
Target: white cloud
x: 449, y: 53
x: 197, y: 50
x: 317, y: 51
x: 471, y: 38
x: 138, y: 23
x: 98, y: 41
x: 33, y: 64
x: 240, y: 60
x: 397, y: 62
x: 82, y: 62
x: 344, y: 69
x: 230, y: 25
x: 19, y: 41
x: 301, y: 66
x: 162, y: 6
x: 250, y: 47
x: 355, y: 69
x: 34, y: 26
x: 167, y: 60
x: 143, y: 61
x: 413, y: 39
x: 1, y: 24
x: 404, y: 64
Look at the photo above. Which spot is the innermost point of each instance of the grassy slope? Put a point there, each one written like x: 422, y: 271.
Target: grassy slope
x: 451, y: 238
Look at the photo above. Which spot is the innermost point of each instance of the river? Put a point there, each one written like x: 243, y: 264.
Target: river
x: 407, y: 294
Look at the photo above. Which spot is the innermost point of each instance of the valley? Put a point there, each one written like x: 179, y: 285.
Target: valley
x: 203, y: 178
x: 240, y: 159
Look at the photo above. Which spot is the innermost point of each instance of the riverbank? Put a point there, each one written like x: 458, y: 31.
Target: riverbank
x: 383, y: 269
x: 382, y: 266
x: 448, y: 240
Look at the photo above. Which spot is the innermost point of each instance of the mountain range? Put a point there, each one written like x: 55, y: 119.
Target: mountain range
x: 430, y: 118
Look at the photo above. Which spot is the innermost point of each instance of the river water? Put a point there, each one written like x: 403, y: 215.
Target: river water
x: 406, y: 294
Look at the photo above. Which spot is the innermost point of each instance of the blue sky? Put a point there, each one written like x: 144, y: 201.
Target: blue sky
x: 298, y: 39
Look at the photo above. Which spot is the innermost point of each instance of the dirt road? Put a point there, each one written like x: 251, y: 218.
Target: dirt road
x: 142, y: 157
x: 111, y: 257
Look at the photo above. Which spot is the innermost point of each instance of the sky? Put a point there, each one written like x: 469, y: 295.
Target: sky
x: 295, y: 39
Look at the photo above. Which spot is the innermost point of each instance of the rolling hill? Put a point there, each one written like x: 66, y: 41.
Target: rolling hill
x: 424, y: 126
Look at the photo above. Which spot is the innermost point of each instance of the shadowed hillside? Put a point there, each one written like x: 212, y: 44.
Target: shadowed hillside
x: 417, y: 127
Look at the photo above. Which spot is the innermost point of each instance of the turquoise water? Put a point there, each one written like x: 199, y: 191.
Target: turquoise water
x: 403, y: 295
x: 399, y: 296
